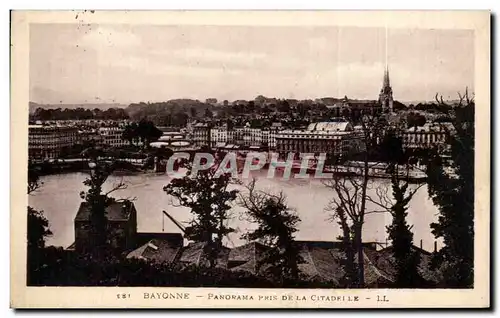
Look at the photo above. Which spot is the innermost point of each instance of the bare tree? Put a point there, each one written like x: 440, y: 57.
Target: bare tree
x: 350, y: 183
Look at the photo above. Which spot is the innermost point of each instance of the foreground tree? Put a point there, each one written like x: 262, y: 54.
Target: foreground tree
x: 451, y: 188
x: 99, y: 200
x: 350, y: 189
x: 406, y: 257
x: 38, y: 225
x: 37, y: 229
x: 276, y: 225
x: 394, y: 199
x: 348, y: 262
x: 206, y: 194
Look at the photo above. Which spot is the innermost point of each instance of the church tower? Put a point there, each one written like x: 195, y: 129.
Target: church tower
x: 385, y: 97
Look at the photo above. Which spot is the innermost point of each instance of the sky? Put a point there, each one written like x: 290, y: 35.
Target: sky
x: 75, y: 63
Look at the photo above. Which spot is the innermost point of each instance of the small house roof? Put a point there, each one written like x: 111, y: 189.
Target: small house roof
x: 156, y: 250
x: 195, y: 253
x: 247, y: 257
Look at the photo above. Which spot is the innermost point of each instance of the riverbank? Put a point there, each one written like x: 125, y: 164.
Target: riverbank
x: 135, y: 166
x: 65, y: 166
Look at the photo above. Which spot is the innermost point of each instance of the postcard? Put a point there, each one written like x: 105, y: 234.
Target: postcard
x: 250, y: 159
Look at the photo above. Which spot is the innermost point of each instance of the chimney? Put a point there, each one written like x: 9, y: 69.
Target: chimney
x: 435, y: 246
x: 421, y: 244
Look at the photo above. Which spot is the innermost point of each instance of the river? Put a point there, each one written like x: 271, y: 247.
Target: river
x: 59, y: 198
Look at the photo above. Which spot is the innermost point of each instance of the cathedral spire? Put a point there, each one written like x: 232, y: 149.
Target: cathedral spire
x: 385, y: 97
x: 387, y: 82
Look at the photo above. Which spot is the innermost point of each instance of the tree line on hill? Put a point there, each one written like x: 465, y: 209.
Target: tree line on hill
x: 78, y: 114
x: 178, y: 112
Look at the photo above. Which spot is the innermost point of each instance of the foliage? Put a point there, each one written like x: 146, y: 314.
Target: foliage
x: 99, y: 200
x: 174, y: 112
x: 130, y: 133
x: 348, y: 261
x: 452, y: 190
x: 415, y: 120
x: 440, y: 107
x: 399, y: 160
x: 405, y: 256
x: 79, y: 114
x: 33, y: 177
x: 276, y: 225
x: 38, y: 229
x: 206, y: 193
x: 145, y: 132
x: 37, y: 226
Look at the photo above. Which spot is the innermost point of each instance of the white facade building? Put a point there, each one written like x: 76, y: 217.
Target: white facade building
x: 112, y: 136
x: 332, y: 138
x: 201, y: 135
x: 244, y: 136
x: 427, y: 136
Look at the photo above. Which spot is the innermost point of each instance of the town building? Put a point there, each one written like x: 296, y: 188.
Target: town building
x: 122, y: 234
x: 112, y: 136
x: 335, y: 139
x: 245, y: 136
x: 89, y: 136
x: 427, y: 136
x: 121, y: 226
x: 250, y: 136
x: 47, y: 142
x: 219, y: 136
x: 201, y: 134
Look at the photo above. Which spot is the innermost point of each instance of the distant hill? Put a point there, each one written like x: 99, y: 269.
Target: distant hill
x: 174, y: 112
x: 102, y: 106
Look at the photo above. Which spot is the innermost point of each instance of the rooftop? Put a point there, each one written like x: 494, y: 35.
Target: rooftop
x: 118, y: 211
x: 156, y: 250
x: 432, y: 127
x: 330, y: 126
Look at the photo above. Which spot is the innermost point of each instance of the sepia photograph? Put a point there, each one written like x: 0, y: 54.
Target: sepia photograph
x: 311, y: 161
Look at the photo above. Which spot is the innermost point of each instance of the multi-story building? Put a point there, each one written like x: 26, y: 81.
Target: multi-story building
x: 250, y: 137
x: 273, y: 131
x: 332, y: 138
x: 89, y: 136
x: 112, y: 136
x: 46, y: 142
x: 427, y: 136
x: 201, y: 135
x: 219, y: 136
x: 245, y: 136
